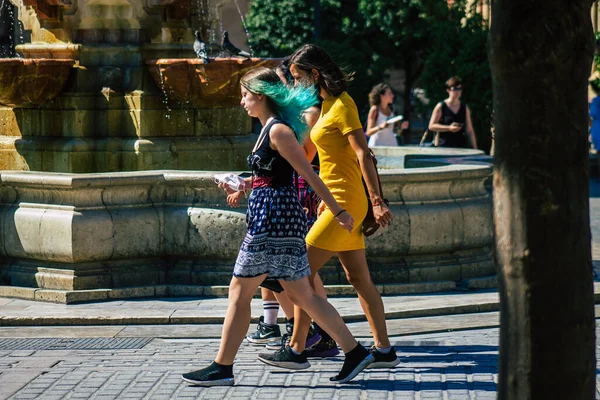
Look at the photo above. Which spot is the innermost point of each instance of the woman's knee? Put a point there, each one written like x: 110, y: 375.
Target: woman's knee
x: 300, y: 296
x: 240, y: 292
x: 359, y: 279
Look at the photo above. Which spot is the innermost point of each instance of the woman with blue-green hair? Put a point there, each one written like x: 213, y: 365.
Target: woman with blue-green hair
x: 274, y: 244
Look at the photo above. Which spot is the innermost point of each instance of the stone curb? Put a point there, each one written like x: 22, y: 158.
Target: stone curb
x: 79, y: 296
x: 7, y: 321
x: 200, y: 320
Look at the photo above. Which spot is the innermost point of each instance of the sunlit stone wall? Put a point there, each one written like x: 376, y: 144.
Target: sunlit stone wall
x: 114, y: 230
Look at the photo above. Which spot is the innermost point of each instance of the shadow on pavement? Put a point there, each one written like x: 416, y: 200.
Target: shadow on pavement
x: 422, y: 360
x: 594, y: 187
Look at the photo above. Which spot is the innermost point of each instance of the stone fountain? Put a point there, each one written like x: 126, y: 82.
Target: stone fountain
x: 110, y: 128
x: 115, y: 112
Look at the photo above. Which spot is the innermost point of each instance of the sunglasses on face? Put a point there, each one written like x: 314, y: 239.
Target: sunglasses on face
x: 455, y: 88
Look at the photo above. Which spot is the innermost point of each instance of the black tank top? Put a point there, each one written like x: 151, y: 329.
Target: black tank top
x: 454, y: 139
x: 267, y: 163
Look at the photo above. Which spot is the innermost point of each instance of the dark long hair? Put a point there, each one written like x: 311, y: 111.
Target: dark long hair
x: 331, y: 77
x: 376, y: 92
x: 284, y: 69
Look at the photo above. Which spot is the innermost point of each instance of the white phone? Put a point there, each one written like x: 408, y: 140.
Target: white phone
x: 394, y: 119
x: 233, y: 181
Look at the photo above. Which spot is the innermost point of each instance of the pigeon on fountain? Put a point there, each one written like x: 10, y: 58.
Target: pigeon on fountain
x: 231, y: 49
x: 200, y: 48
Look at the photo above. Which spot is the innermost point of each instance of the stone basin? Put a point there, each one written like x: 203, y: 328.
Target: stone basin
x: 27, y: 81
x: 212, y: 85
x: 139, y: 231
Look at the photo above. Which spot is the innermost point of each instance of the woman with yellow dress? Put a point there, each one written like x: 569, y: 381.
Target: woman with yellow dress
x: 339, y: 138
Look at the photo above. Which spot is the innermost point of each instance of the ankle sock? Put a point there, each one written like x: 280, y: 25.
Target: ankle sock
x: 225, y: 371
x: 384, y: 350
x: 270, y: 311
x: 353, y: 358
x: 294, y: 351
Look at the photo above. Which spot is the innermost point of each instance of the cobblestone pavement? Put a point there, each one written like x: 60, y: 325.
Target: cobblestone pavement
x: 457, y: 365
x: 451, y: 365
x: 443, y: 366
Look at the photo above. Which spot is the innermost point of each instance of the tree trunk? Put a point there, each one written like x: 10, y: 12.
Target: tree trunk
x: 541, y: 54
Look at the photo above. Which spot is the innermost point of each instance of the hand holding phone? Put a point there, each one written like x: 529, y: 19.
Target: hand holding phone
x: 232, y: 181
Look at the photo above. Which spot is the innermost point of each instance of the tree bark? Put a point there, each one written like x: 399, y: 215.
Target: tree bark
x: 540, y: 55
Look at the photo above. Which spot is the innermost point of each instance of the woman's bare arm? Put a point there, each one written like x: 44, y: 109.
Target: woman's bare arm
x: 284, y: 141
x: 371, y: 120
x: 357, y: 141
x: 311, y: 116
x: 434, y: 122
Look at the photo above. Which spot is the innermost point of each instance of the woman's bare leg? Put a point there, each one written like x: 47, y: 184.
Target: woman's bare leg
x: 319, y: 286
x: 237, y: 318
x: 356, y: 358
x: 357, y: 272
x: 301, y: 294
x: 316, y: 259
x: 286, y: 305
x: 267, y: 295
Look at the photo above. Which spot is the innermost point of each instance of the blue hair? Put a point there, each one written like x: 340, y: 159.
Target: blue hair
x: 288, y: 103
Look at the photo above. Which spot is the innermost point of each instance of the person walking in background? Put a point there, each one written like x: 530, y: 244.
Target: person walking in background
x: 274, y: 244
x: 379, y: 131
x: 451, y: 118
x: 340, y: 140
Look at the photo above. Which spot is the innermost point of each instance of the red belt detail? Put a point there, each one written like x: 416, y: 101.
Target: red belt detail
x: 262, y: 182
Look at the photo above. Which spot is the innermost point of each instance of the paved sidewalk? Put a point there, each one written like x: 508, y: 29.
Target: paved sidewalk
x: 435, y: 366
x: 57, y: 359
x: 178, y: 310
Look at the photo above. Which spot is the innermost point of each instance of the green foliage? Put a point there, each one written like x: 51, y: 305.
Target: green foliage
x: 354, y: 55
x: 404, y: 23
x: 426, y: 38
x: 597, y: 54
x: 277, y: 28
x: 595, y: 78
x: 458, y: 46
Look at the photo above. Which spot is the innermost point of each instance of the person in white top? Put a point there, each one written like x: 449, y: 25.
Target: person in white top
x: 379, y: 131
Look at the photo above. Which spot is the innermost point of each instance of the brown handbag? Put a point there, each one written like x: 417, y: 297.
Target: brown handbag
x: 369, y: 225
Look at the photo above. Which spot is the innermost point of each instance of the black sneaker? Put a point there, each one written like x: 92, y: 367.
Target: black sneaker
x: 264, y: 333
x: 312, y: 338
x: 285, y: 358
x: 209, y: 376
x: 323, y: 349
x: 383, y: 360
x: 356, y: 360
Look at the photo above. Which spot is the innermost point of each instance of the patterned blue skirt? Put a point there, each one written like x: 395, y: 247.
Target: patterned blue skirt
x: 274, y: 243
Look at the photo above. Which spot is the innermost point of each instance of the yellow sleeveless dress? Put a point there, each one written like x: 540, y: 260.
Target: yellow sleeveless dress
x: 341, y: 173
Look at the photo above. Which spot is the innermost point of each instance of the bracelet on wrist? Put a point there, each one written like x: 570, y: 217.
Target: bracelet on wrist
x: 377, y: 203
x: 339, y: 213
